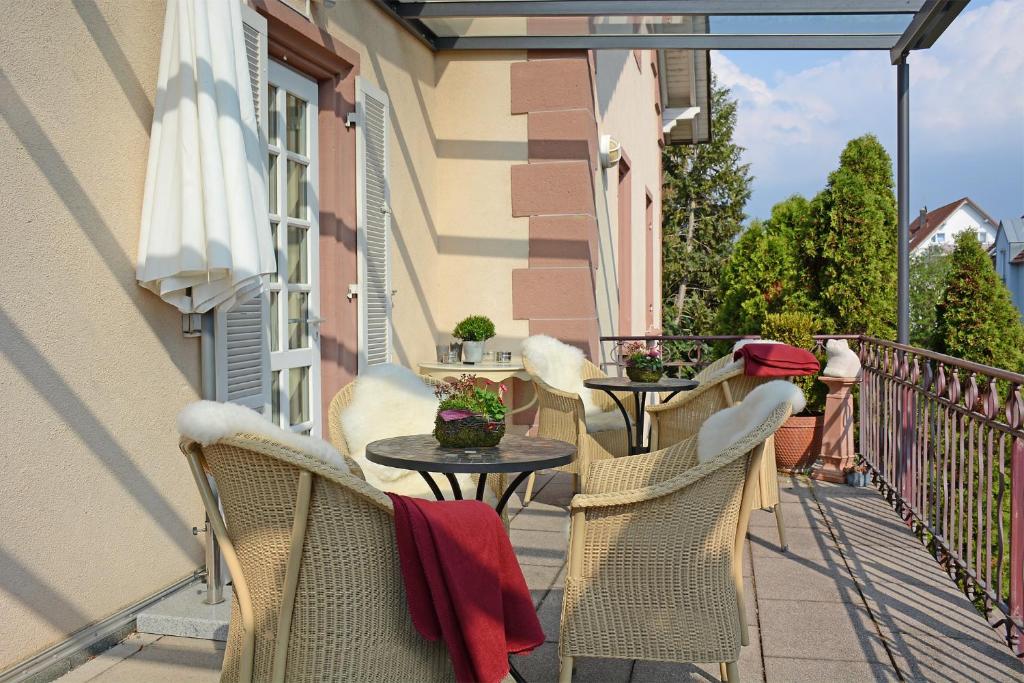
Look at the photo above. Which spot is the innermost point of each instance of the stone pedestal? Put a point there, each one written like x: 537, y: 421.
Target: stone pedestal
x: 837, y: 452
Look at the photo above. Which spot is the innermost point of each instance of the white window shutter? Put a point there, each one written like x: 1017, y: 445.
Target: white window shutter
x: 374, y: 222
x: 241, y: 334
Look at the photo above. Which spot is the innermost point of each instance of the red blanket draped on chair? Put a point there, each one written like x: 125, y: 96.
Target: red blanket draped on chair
x: 464, y: 584
x: 776, y: 360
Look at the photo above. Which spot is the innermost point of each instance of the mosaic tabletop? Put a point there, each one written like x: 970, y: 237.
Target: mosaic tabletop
x: 422, y: 453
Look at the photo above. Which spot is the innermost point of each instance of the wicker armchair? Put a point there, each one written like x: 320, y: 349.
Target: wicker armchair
x: 681, y: 418
x: 655, y: 568
x: 496, y: 483
x: 318, y: 592
x: 561, y: 416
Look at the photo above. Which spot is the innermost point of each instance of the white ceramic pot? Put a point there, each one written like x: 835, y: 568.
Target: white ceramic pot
x: 472, y: 351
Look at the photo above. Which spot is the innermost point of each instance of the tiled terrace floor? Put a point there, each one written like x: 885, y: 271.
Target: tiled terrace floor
x: 856, y: 598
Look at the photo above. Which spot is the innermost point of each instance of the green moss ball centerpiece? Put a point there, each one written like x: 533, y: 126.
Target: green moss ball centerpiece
x: 469, y: 416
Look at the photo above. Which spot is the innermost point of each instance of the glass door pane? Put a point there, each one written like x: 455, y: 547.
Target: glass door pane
x: 295, y: 300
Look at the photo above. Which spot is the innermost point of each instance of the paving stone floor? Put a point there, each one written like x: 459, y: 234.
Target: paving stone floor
x: 856, y: 598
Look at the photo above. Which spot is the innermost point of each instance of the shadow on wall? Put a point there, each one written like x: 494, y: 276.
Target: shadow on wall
x: 22, y: 584
x: 118, y: 62
x: 75, y: 413
x: 609, y: 62
x: 85, y: 213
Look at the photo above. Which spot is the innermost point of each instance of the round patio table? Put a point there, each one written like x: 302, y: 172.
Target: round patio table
x: 519, y: 454
x: 610, y: 385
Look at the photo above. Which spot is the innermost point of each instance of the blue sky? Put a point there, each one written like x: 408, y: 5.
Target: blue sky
x: 798, y: 109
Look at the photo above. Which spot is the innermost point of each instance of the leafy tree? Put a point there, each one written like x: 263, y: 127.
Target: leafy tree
x: 762, y: 276
x: 852, y: 249
x: 705, y: 190
x: 975, y: 319
x: 833, y: 257
x: 928, y: 271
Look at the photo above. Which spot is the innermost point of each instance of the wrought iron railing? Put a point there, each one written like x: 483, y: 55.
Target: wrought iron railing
x: 689, y: 353
x: 944, y: 439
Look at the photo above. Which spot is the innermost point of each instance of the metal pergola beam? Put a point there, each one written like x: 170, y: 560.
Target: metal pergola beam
x: 690, y: 41
x: 926, y: 26
x: 577, y: 8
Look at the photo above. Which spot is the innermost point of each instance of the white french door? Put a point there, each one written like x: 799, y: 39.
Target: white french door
x: 294, y: 221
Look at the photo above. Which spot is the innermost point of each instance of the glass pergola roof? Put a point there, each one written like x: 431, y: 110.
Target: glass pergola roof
x: 895, y: 25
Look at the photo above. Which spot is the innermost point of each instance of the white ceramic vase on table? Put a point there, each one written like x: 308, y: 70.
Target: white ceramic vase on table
x: 472, y: 351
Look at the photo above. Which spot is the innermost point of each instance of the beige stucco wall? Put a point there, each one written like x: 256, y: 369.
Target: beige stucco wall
x: 96, y: 501
x: 478, y: 141
x: 453, y: 142
x: 401, y: 66
x: 626, y: 110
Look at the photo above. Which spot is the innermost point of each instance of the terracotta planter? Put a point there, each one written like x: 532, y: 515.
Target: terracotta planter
x: 798, y: 442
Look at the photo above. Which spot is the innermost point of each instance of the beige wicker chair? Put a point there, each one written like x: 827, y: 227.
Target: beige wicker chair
x: 318, y: 593
x: 496, y: 483
x: 655, y: 556
x: 560, y: 415
x: 681, y: 418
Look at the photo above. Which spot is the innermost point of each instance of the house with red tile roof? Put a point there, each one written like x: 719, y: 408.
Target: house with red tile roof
x: 941, y: 226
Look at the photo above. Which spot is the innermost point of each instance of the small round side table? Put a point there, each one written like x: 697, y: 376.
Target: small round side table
x: 610, y: 385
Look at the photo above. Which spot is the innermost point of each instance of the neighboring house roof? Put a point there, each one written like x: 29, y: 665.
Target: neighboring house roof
x: 685, y: 82
x: 1014, y: 229
x: 934, y: 219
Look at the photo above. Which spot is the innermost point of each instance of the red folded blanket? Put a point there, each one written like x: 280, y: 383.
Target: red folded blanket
x: 776, y: 360
x: 464, y: 584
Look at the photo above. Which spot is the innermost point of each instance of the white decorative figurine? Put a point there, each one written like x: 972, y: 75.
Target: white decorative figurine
x: 842, y: 362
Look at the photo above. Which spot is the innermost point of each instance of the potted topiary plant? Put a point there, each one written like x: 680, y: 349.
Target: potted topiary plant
x: 643, y: 362
x: 474, y: 331
x: 798, y: 440
x: 469, y: 416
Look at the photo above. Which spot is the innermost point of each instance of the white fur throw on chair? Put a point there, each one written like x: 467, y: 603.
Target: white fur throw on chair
x: 561, y: 366
x: 728, y: 426
x: 391, y: 400
x: 207, y: 422
x: 842, y: 362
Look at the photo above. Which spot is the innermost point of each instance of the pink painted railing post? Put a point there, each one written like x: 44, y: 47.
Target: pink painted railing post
x: 837, y: 450
x: 1017, y: 538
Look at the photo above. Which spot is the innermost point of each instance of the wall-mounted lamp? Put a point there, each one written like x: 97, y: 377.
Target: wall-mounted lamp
x: 610, y: 150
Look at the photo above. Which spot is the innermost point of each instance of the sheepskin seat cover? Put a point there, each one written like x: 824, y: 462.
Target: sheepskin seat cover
x: 207, y: 422
x: 390, y: 400
x: 728, y: 426
x: 561, y: 366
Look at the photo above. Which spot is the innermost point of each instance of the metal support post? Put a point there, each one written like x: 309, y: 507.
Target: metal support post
x: 903, y: 200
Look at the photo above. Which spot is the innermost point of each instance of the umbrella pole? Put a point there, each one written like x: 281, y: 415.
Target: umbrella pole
x: 214, y: 562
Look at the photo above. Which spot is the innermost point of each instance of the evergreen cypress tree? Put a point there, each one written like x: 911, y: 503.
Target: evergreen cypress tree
x: 852, y: 249
x: 705, y: 189
x: 928, y: 271
x: 763, y: 274
x: 975, y: 319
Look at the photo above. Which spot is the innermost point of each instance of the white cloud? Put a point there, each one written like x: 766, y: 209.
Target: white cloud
x: 967, y: 115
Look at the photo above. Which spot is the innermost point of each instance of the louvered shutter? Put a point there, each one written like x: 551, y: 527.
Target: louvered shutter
x: 374, y: 220
x: 241, y: 334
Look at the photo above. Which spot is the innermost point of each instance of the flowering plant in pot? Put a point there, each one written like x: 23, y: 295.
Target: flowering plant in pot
x: 858, y: 476
x: 474, y: 331
x: 468, y: 415
x: 643, y: 362
x: 798, y: 441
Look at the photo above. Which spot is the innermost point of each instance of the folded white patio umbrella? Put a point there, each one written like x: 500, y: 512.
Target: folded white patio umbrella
x: 204, y: 217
